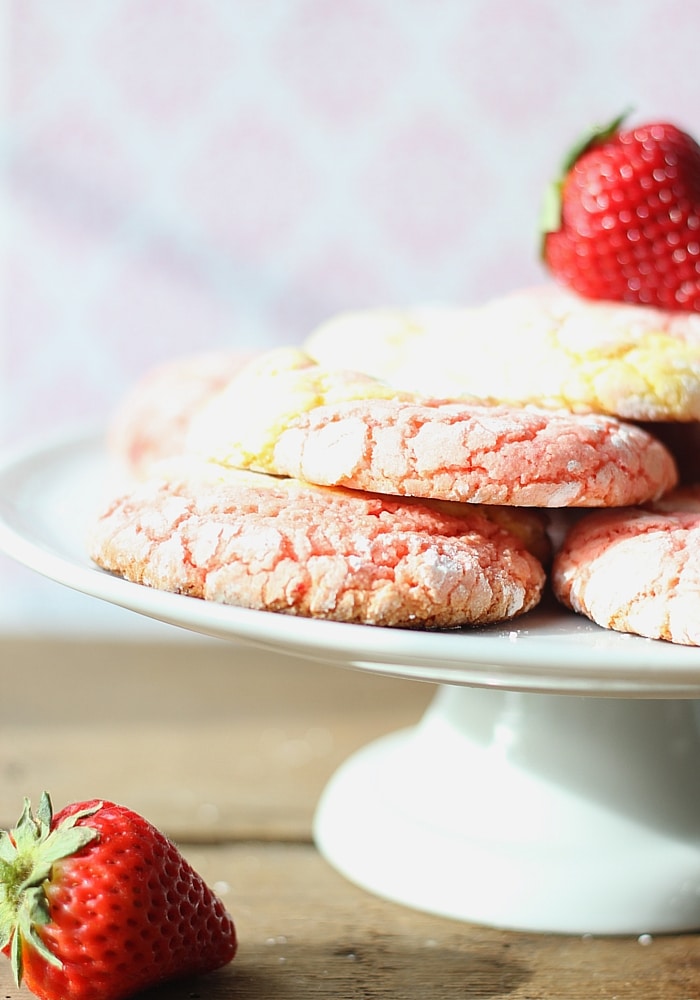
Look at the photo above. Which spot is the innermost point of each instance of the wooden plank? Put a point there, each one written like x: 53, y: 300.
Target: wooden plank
x: 227, y: 748
x: 306, y: 932
x: 211, y: 741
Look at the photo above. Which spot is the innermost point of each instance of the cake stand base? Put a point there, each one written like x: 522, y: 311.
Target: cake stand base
x: 528, y: 811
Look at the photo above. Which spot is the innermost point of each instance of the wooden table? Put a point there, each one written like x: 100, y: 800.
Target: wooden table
x: 227, y: 749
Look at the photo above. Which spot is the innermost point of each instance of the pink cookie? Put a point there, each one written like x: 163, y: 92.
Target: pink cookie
x: 636, y: 569
x: 480, y: 454
x: 152, y: 421
x: 279, y: 545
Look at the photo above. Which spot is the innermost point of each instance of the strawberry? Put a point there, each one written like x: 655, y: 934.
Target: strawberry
x: 97, y: 904
x: 622, y: 222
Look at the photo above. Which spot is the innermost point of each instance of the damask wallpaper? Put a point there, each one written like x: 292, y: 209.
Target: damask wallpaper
x: 184, y: 174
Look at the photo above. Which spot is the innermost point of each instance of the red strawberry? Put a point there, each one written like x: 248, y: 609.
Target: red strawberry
x: 96, y: 904
x: 623, y: 220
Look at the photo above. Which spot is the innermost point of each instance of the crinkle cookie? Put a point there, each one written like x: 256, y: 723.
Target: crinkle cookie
x: 285, y: 415
x: 279, y: 545
x: 152, y: 420
x: 543, y: 346
x: 636, y: 570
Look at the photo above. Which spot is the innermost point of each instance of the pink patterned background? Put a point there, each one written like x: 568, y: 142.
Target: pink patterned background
x: 183, y: 174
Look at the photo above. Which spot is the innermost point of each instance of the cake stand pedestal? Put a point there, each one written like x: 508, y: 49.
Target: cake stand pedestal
x: 553, y: 784
x: 528, y: 811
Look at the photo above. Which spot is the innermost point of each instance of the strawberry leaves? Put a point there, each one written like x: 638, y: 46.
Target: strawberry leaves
x: 27, y: 856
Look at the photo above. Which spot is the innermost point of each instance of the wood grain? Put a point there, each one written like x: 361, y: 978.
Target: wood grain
x: 227, y: 749
x: 305, y: 932
x: 210, y: 740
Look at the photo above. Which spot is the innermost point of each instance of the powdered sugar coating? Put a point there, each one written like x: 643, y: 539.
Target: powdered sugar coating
x: 286, y: 415
x: 284, y: 546
x: 636, y: 570
x: 544, y: 346
x: 490, y: 455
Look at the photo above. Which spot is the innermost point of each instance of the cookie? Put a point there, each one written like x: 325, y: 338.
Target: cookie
x: 543, y: 346
x: 637, y: 569
x: 152, y: 420
x: 530, y: 525
x: 284, y: 546
x: 285, y: 415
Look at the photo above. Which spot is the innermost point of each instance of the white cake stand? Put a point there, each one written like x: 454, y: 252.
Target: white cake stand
x: 553, y: 784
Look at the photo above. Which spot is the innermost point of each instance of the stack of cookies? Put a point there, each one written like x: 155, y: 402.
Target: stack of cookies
x: 401, y: 467
x: 327, y: 492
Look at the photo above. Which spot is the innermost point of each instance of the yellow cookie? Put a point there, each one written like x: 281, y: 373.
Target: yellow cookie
x: 544, y: 346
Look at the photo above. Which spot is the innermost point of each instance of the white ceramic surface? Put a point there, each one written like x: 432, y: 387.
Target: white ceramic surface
x: 49, y: 492
x: 528, y: 811
x: 525, y: 798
